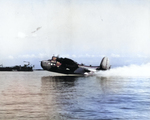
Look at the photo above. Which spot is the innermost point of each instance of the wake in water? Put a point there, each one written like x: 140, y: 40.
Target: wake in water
x: 127, y: 71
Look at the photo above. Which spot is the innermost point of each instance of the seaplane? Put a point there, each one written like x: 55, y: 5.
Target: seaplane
x: 68, y: 66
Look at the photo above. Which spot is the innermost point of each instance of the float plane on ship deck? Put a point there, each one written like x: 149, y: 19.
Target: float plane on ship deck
x: 70, y: 67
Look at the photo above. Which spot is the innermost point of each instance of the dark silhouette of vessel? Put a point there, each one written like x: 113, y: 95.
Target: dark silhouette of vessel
x: 26, y: 67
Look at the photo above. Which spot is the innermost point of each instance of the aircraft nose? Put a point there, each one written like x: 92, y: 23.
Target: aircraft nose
x: 45, y: 64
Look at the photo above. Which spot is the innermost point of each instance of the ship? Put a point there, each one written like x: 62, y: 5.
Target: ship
x: 25, y: 67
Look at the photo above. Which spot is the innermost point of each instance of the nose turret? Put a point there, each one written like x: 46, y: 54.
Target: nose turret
x: 46, y: 65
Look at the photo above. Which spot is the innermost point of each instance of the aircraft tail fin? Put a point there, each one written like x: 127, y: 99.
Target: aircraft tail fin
x: 104, y: 65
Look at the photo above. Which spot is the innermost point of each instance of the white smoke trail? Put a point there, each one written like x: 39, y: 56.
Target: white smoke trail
x: 127, y: 71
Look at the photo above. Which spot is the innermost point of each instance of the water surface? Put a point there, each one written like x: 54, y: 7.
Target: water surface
x: 40, y: 95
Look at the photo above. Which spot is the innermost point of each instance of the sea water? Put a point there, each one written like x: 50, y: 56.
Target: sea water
x: 121, y: 93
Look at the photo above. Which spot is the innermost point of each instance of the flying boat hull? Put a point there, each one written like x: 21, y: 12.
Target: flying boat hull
x: 69, y: 67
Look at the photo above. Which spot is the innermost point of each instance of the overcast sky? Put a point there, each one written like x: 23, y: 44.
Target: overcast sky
x: 34, y: 30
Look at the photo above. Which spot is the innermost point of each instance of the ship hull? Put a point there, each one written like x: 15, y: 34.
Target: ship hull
x: 16, y: 68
